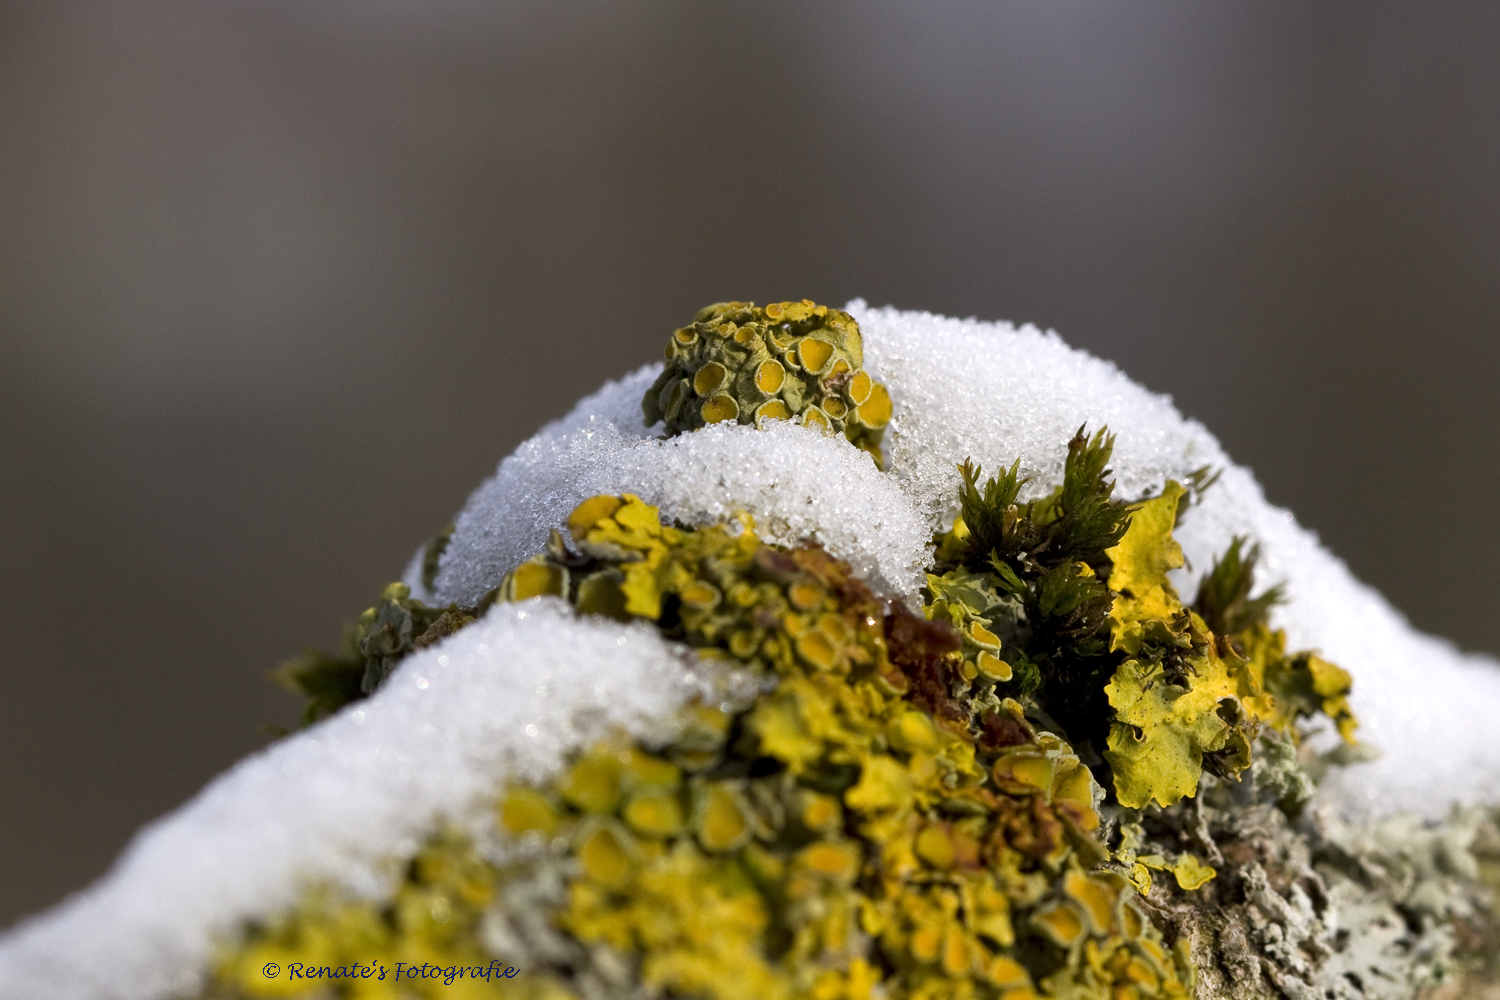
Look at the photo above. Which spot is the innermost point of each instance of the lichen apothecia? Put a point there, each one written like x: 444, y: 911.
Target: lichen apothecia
x: 784, y: 361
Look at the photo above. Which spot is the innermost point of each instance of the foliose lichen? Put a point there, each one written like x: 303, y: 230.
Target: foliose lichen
x: 864, y: 830
x: 783, y: 361
x: 332, y: 946
x: 1305, y: 906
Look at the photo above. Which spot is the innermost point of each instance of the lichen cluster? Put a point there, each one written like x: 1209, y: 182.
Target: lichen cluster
x: 391, y: 950
x: 1307, y: 906
x: 857, y: 838
x: 1060, y: 780
x: 783, y: 361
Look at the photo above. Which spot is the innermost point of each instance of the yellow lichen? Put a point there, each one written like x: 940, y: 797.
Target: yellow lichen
x: 786, y: 360
x: 847, y: 833
x: 1066, y: 603
x: 1175, y: 698
x: 359, y: 948
x: 1185, y: 692
x: 932, y: 861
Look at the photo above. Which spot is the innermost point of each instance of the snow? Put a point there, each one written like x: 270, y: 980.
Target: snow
x: 512, y: 694
x: 995, y: 393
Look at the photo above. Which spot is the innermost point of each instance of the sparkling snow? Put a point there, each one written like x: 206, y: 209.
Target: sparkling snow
x: 334, y: 802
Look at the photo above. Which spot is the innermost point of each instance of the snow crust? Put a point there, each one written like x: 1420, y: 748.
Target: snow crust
x: 511, y: 694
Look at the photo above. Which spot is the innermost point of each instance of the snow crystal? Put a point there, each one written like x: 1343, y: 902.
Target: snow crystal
x: 333, y: 803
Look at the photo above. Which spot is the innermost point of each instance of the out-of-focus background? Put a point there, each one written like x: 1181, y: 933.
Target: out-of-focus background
x: 282, y: 280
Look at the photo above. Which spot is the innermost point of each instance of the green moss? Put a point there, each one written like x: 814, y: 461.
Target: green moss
x: 1091, y: 632
x: 1224, y: 600
x: 432, y: 555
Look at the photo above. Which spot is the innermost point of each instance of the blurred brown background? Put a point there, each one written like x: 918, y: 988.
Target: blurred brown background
x: 280, y: 282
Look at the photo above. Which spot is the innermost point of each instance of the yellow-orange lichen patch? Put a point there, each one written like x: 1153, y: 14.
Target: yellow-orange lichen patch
x: 770, y: 376
x: 805, y: 359
x: 719, y: 408
x: 816, y: 355
x: 709, y: 378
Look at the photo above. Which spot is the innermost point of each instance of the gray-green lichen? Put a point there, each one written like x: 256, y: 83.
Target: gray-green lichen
x: 1305, y: 906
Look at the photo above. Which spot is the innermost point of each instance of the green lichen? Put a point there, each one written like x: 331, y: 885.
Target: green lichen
x: 784, y: 361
